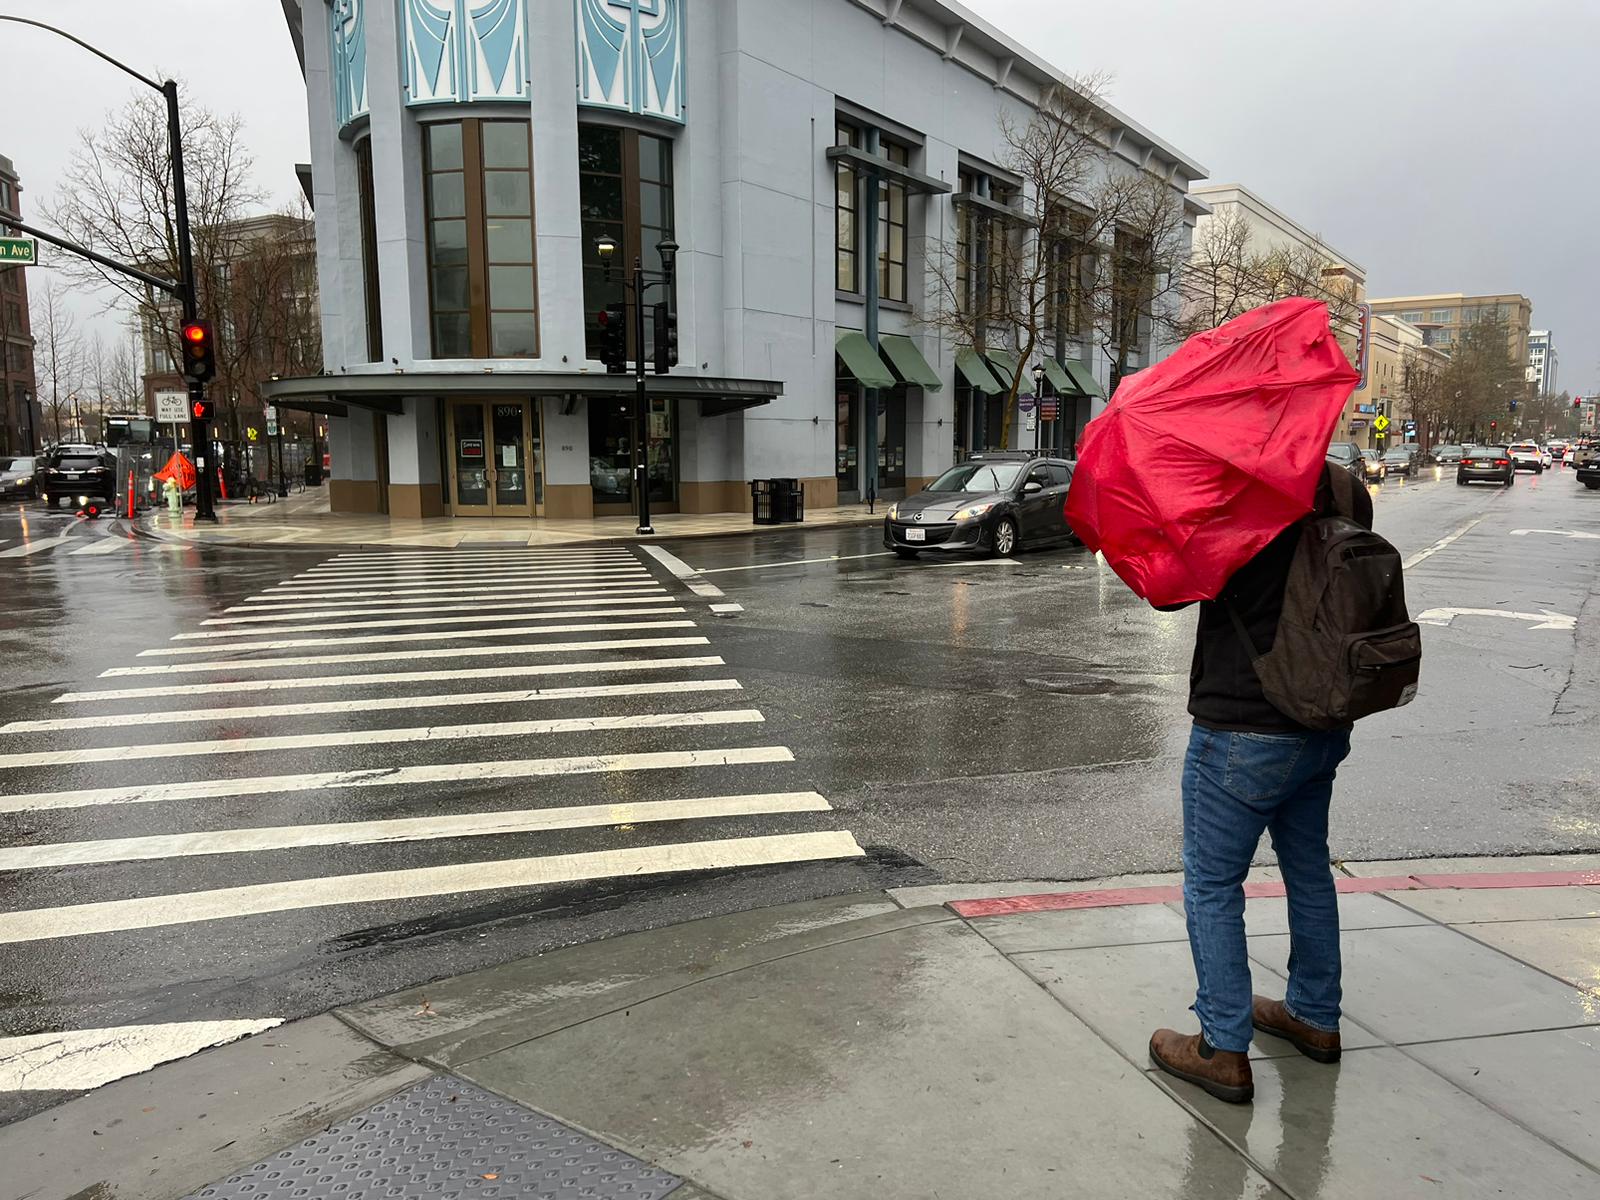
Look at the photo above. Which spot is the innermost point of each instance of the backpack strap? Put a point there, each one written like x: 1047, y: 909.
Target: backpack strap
x: 1238, y: 627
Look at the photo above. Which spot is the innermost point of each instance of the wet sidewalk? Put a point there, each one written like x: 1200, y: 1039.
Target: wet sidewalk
x: 303, y: 520
x: 955, y: 1042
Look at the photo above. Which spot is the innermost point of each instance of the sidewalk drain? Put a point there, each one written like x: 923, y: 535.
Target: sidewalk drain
x: 447, y: 1139
x: 1068, y: 684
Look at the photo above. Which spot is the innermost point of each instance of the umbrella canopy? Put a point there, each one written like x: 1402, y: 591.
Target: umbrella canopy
x: 1201, y: 460
x: 180, y: 468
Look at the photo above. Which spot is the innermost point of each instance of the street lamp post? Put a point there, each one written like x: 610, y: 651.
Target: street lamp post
x: 1038, y: 408
x: 606, y: 247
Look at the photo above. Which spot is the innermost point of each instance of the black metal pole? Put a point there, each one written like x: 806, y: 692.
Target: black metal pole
x: 283, y: 479
x: 642, y: 437
x: 204, y: 505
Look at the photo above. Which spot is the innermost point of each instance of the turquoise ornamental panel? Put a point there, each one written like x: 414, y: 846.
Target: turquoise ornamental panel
x: 461, y: 51
x: 347, y: 34
x: 630, y: 56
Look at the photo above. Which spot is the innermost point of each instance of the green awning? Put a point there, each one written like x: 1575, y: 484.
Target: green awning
x: 1059, y: 379
x: 1005, y: 364
x: 1085, y: 379
x: 976, y: 373
x: 861, y: 360
x: 908, y: 360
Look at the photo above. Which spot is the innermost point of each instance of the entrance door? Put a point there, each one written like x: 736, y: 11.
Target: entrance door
x: 494, y: 470
x: 613, y: 454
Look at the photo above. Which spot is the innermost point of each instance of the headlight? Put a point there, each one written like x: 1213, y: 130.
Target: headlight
x: 24, y: 481
x: 973, y: 510
x: 894, y: 511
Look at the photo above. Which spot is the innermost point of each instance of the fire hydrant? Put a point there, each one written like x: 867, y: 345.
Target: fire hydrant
x: 174, y: 495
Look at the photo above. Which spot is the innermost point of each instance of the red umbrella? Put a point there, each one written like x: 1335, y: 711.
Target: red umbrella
x: 1201, y: 460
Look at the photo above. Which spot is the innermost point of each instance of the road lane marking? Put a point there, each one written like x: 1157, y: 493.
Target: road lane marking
x: 105, y: 545
x: 406, y: 829
x: 33, y: 547
x: 79, y: 1059
x: 727, y: 608
x: 1566, y: 533
x: 475, y: 771
x: 414, y: 735
x: 312, y: 660
x: 491, y: 571
x: 1544, y: 619
x: 401, y: 623
x: 522, y: 555
x: 292, y: 895
x: 523, y: 670
x: 246, y: 712
x: 1442, y: 543
x: 429, y: 612
x: 682, y: 570
x: 389, y: 639
x: 319, y: 596
x: 797, y: 562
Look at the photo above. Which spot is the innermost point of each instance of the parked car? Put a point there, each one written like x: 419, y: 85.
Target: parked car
x: 1447, y: 456
x: 1348, y: 456
x: 1486, y: 464
x: 16, y: 478
x: 1400, y: 460
x: 76, y: 473
x: 994, y: 503
x: 1525, y: 456
x: 1372, y: 464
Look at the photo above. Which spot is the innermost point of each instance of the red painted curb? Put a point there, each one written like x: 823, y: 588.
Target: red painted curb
x: 1005, y: 906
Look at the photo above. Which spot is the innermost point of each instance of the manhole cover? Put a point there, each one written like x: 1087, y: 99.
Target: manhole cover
x: 1067, y: 684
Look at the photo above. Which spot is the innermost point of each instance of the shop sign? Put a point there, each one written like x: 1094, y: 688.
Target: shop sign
x: 471, y: 448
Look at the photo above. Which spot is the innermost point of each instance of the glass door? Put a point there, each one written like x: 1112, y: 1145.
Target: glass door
x: 493, y: 468
x: 469, y: 461
x: 511, y: 473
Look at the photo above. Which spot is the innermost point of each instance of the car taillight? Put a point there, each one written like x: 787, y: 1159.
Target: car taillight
x: 1502, y: 462
x: 1468, y: 462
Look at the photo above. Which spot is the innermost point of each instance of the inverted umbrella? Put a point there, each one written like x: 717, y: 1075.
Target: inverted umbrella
x: 180, y: 468
x: 1201, y: 460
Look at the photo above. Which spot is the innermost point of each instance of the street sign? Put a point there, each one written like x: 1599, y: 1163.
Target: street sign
x: 1049, y: 408
x: 19, y: 252
x: 1026, y: 403
x: 1380, y: 423
x: 1410, y: 426
x: 272, y: 427
x: 172, y: 407
x: 272, y: 413
x: 1363, y: 338
x: 252, y: 433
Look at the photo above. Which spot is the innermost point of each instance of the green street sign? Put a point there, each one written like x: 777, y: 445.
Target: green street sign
x: 18, y: 252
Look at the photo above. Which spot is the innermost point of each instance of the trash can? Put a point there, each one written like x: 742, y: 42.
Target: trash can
x: 313, y: 473
x: 777, y: 501
x: 763, y: 503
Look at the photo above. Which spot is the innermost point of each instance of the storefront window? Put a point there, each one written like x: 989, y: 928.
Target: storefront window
x: 625, y: 194
x: 369, y: 251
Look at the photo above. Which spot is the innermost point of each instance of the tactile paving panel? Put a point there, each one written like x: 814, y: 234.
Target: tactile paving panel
x: 445, y: 1139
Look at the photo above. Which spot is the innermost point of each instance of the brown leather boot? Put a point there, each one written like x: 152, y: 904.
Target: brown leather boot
x: 1223, y: 1073
x: 1270, y: 1016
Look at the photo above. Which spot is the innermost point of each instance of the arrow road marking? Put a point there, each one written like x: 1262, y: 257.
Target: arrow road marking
x: 1544, y: 619
x: 1566, y: 533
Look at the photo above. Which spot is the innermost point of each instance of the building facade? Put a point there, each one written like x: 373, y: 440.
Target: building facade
x: 1442, y: 317
x: 19, y: 406
x: 1542, y: 363
x: 800, y: 161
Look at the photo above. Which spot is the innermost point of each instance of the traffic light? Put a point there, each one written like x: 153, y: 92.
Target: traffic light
x: 200, y: 410
x: 1513, y: 405
x: 614, y: 338
x: 1577, y: 402
x: 666, y: 331
x: 199, y: 354
x: 1493, y: 425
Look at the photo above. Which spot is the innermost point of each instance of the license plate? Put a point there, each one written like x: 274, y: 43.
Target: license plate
x: 69, y: 475
x: 916, y: 535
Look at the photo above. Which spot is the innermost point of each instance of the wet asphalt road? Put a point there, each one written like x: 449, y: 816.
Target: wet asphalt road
x: 964, y: 720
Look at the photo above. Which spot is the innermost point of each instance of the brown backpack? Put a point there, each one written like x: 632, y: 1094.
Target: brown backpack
x: 1346, y: 646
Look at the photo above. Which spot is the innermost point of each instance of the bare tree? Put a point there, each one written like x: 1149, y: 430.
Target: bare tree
x: 1422, y: 383
x: 1482, y: 379
x: 58, y: 359
x: 1133, y: 300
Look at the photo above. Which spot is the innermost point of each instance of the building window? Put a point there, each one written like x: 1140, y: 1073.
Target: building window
x: 1069, y: 263
x: 8, y: 198
x: 369, y: 251
x: 847, y: 204
x: 480, y: 239
x: 892, y: 229
x: 1414, y: 316
x: 1442, y: 316
x: 625, y: 194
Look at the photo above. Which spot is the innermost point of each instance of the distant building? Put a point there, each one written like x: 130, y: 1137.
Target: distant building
x: 19, y: 406
x: 1392, y: 345
x: 1542, y: 362
x: 1441, y: 317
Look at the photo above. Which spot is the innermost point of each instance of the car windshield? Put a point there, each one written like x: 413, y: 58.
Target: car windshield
x: 978, y: 477
x: 78, y: 462
x: 16, y: 464
x: 1398, y: 454
x: 1525, y: 448
x: 1447, y: 449
x: 1486, y: 452
x: 1342, y: 451
x: 1369, y: 454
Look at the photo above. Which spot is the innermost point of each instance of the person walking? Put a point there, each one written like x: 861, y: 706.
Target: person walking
x: 1250, y: 768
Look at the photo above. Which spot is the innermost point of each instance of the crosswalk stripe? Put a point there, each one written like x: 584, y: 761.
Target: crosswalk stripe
x: 520, y: 671
x: 458, y: 555
x: 79, y: 1059
x: 430, y: 619
x: 296, y: 613
x: 32, y: 547
x: 292, y: 895
x: 376, y: 777
x: 376, y: 704
x: 301, y: 587
x: 443, y: 635
x: 495, y: 571
x: 105, y: 545
x: 405, y: 829
x: 381, y: 737
x: 321, y: 596
x: 313, y: 660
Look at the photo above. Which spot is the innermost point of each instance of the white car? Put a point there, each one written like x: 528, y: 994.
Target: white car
x: 1545, y: 460
x: 1526, y: 456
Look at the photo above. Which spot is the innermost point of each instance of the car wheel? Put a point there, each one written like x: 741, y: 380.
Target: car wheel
x: 904, y: 552
x: 1592, y: 484
x: 1510, y: 479
x: 1460, y: 482
x: 54, y: 501
x: 1005, y: 537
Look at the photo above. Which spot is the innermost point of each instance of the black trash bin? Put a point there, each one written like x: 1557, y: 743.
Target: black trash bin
x: 776, y: 501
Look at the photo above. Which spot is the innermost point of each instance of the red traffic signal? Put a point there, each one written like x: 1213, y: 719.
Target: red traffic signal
x: 199, y: 354
x: 1494, y: 424
x: 200, y: 410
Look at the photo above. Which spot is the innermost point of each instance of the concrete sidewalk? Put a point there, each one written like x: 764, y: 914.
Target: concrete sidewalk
x: 932, y: 1042
x: 303, y: 521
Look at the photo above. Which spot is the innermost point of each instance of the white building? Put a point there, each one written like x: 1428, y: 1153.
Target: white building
x: 468, y: 155
x: 1542, y: 362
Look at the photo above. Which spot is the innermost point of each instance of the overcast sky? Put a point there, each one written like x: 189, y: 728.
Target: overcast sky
x: 1445, y: 145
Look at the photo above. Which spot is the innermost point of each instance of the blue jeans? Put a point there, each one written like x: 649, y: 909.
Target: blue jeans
x: 1235, y: 786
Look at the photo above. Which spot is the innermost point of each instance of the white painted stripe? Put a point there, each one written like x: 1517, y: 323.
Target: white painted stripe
x: 727, y: 608
x: 106, y: 545
x: 246, y: 712
x: 796, y: 562
x: 489, y: 571
x: 79, y: 1059
x: 405, y: 622
x: 374, y: 777
x: 319, y: 596
x: 440, y: 583
x: 602, y: 666
x: 1423, y: 555
x: 312, y: 660
x: 32, y: 547
x: 407, y: 829
x: 428, y: 611
x: 467, y: 555
x: 382, y: 737
x: 683, y: 571
x: 373, y: 886
x: 446, y: 635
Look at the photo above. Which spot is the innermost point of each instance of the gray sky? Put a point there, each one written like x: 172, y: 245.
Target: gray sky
x: 1446, y: 145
